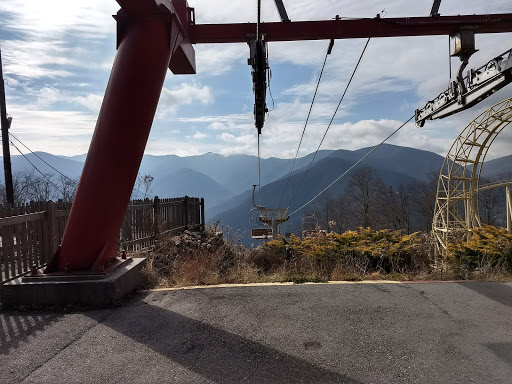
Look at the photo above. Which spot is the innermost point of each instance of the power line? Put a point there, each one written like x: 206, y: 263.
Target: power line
x: 329, y: 50
x: 353, y: 166
x: 37, y: 169
x: 330, y: 123
x: 40, y: 158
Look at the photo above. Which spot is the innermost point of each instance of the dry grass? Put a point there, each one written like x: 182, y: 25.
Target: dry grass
x: 208, y: 259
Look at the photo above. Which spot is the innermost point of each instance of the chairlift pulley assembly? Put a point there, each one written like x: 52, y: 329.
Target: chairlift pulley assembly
x: 468, y: 91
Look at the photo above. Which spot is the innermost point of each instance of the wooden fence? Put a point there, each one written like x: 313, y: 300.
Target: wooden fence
x: 30, y: 234
x: 145, y: 219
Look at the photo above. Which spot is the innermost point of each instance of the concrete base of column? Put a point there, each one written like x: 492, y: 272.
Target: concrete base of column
x: 97, y: 289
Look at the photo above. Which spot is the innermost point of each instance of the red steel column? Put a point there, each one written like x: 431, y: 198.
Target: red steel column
x: 115, y: 153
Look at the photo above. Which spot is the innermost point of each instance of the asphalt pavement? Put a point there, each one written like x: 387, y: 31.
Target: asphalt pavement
x: 311, y: 333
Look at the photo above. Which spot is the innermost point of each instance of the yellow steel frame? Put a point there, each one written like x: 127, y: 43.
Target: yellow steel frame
x: 456, y: 210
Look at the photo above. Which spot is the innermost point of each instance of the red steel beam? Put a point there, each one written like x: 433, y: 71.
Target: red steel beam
x: 349, y: 29
x: 149, y: 35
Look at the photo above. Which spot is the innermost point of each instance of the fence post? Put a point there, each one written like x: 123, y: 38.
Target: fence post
x: 156, y: 216
x: 51, y: 231
x: 186, y: 212
x: 202, y: 214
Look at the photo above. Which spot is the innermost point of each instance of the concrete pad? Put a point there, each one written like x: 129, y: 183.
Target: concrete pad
x: 75, y: 289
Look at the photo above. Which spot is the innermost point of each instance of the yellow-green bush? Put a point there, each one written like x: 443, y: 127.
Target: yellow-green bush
x: 489, y: 248
x: 362, y: 251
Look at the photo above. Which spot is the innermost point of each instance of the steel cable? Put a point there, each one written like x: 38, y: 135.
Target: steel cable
x: 330, y: 123
x: 40, y: 158
x: 37, y: 169
x: 353, y: 166
x: 307, y: 120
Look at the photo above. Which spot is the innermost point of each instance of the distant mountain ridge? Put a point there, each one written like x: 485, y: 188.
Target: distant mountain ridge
x: 226, y: 181
x: 215, y: 177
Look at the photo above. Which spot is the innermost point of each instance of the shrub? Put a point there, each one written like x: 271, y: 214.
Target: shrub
x: 489, y: 251
x: 362, y: 252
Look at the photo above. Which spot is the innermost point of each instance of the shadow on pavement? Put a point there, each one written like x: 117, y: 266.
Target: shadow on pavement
x: 16, y: 328
x: 499, y: 292
x: 502, y: 350
x: 213, y: 353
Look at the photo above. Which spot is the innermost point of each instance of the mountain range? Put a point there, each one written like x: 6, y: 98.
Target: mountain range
x: 226, y: 181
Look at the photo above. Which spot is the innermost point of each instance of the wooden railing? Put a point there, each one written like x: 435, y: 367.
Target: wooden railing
x: 145, y: 219
x: 30, y: 234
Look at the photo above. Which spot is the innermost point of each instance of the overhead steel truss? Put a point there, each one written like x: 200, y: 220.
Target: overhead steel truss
x: 456, y: 211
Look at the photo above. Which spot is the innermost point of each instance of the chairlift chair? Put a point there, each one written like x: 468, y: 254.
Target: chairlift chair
x: 309, y: 225
x: 265, y: 222
x: 259, y: 229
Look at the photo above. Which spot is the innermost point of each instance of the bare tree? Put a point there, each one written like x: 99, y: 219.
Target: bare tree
x: 491, y: 202
x: 423, y: 199
x: 43, y: 188
x: 30, y: 186
x: 67, y: 188
x: 147, y: 182
x: 142, y: 187
x: 333, y: 213
x: 395, y: 208
x: 325, y: 211
x: 362, y: 192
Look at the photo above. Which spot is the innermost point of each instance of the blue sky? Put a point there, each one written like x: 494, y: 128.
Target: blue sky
x: 57, y: 57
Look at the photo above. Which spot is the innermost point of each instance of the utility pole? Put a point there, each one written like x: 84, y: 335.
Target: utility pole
x: 6, y: 124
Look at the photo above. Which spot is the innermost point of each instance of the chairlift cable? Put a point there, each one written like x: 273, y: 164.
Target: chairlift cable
x: 37, y: 169
x: 40, y: 158
x: 353, y: 166
x: 329, y: 49
x: 330, y: 123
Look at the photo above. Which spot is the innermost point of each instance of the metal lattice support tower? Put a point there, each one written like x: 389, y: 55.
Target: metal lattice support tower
x: 456, y: 210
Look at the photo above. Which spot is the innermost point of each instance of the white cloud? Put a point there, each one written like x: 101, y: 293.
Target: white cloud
x: 178, y: 146
x: 230, y: 138
x: 54, y: 36
x: 34, y: 59
x: 237, y: 123
x: 48, y: 96
x: 57, y: 17
x: 247, y: 149
x: 172, y: 99
x: 217, y: 122
x: 57, y: 132
x: 10, y: 82
x: 216, y: 59
x: 198, y: 136
x: 91, y: 101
